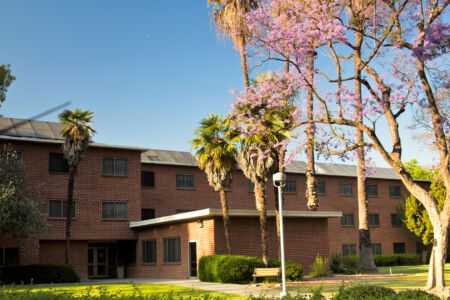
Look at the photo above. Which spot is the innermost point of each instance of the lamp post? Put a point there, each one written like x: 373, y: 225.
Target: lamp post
x: 279, y: 180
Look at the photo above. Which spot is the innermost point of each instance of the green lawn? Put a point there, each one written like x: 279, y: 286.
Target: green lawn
x: 414, y: 277
x: 109, y: 291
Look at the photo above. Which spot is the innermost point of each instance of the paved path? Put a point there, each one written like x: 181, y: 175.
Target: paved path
x: 238, y: 289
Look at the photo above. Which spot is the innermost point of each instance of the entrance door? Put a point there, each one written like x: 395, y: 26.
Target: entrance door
x: 192, y: 259
x: 97, y: 262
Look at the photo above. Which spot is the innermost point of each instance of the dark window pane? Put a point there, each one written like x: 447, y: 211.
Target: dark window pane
x: 108, y: 210
x: 57, y: 163
x: 347, y: 220
x: 185, y: 181
x: 172, y: 250
x: 180, y: 181
x: 399, y: 248
x: 55, y: 209
x: 374, y: 220
x: 395, y: 191
x: 190, y: 181
x: 108, y: 166
x: 11, y: 256
x: 149, y: 251
x: 64, y: 209
x: 321, y: 188
x: 120, y: 167
x: 147, y: 213
x: 251, y: 186
x: 290, y: 187
x: 395, y: 220
x: 148, y: 179
x: 348, y: 249
x: 345, y: 189
x: 120, y: 210
x: 376, y: 249
x: 372, y: 190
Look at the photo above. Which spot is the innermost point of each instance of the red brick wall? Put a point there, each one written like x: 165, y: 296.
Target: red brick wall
x: 53, y: 252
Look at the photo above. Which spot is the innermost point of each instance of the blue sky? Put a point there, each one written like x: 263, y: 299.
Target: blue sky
x: 150, y: 70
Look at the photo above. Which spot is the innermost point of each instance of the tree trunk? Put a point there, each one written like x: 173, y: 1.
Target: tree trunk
x: 436, y: 279
x: 226, y: 219
x: 241, y: 41
x: 72, y: 172
x: 260, y: 196
x: 311, y: 184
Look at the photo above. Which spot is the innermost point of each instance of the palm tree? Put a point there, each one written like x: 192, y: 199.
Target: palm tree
x: 228, y: 17
x: 77, y: 134
x: 217, y: 157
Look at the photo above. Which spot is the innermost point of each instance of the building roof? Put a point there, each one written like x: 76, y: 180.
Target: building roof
x: 214, y: 212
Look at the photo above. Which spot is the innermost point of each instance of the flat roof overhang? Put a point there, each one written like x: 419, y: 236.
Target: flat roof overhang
x: 215, y: 212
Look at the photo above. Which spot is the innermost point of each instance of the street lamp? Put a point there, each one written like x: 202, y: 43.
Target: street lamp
x: 279, y: 180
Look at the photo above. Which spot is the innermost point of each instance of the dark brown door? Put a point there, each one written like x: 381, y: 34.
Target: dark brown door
x: 192, y: 259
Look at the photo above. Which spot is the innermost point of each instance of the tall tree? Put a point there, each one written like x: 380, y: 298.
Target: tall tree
x: 5, y: 81
x: 217, y: 157
x: 229, y: 19
x: 19, y: 213
x: 77, y: 133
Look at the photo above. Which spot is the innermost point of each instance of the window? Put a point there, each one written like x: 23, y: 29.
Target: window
x: 348, y: 249
x: 251, y: 186
x: 172, y: 249
x: 114, y: 210
x: 185, y: 181
x: 147, y: 179
x: 147, y: 213
x: 374, y: 220
x: 11, y: 154
x: 345, y: 189
x: 58, y: 209
x: 347, y: 220
x: 149, y: 252
x: 395, y: 191
x: 57, y: 163
x: 290, y: 187
x: 399, y: 248
x: 9, y: 256
x: 321, y: 188
x: 114, y: 166
x: 395, y: 220
x: 376, y: 249
x: 372, y: 190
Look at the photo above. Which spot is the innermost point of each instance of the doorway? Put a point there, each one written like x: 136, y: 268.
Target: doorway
x: 193, y: 259
x: 97, y: 262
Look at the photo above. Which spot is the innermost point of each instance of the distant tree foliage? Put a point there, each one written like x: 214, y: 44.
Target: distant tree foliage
x: 19, y: 214
x: 5, y: 81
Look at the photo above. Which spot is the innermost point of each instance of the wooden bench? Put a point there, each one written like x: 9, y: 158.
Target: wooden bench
x: 265, y: 272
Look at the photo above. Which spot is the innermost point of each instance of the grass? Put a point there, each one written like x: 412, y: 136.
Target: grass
x: 108, y: 291
x: 414, y: 277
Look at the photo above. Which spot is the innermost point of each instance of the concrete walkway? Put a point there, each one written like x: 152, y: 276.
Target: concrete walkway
x: 228, y: 288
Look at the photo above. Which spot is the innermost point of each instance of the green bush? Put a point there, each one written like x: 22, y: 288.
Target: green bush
x: 39, y: 273
x: 320, y: 267
x: 365, y: 292
x: 336, y: 263
x: 294, y: 271
x: 416, y: 294
x: 228, y: 268
x: 351, y: 264
x: 383, y: 260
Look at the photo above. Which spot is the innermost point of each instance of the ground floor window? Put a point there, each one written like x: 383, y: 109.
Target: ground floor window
x: 172, y: 250
x: 9, y: 256
x: 348, y: 249
x: 376, y: 249
x: 149, y: 252
x: 399, y: 248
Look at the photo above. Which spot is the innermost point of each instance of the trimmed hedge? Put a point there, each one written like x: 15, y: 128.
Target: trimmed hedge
x: 39, y: 273
x: 383, y: 260
x: 239, y: 269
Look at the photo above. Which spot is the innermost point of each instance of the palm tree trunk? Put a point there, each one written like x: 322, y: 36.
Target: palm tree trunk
x: 226, y: 219
x: 260, y: 196
x: 72, y: 172
x: 311, y: 185
x: 241, y: 41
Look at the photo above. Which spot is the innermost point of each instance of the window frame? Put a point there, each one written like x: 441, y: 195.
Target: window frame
x: 142, y: 179
x: 147, y: 210
x: 185, y: 181
x: 167, y: 253
x: 391, y: 189
x: 324, y: 188
x: 62, y: 209
x: 376, y: 190
x: 3, y: 255
x: 377, y: 245
x: 154, y: 258
x: 345, y: 184
x: 285, y: 190
x: 395, y: 217
x: 373, y: 217
x: 114, y: 174
x: 349, y: 251
x: 63, y: 166
x: 402, y: 244
x: 345, y: 217
x: 115, y: 218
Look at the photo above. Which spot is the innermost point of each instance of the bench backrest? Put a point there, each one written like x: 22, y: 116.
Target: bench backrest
x: 266, y: 271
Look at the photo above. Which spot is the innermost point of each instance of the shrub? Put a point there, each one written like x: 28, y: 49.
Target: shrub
x: 351, y: 264
x: 396, y: 260
x: 39, y: 273
x: 365, y: 292
x: 320, y: 267
x: 228, y: 268
x: 416, y: 294
x: 336, y: 263
x: 294, y: 271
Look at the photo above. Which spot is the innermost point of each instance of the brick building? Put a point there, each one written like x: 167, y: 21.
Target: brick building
x: 153, y: 212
